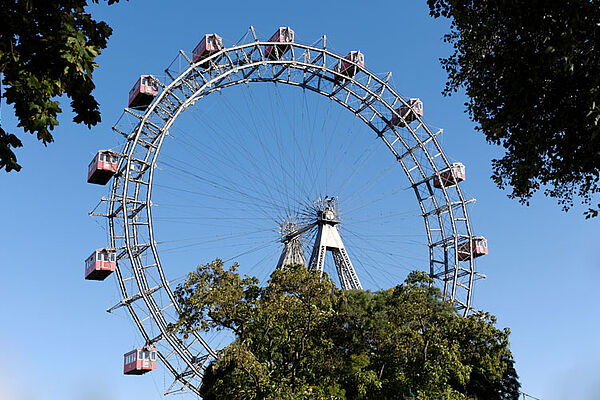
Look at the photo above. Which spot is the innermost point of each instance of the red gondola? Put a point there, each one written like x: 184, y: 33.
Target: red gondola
x: 450, y: 176
x: 479, y: 248
x: 283, y: 35
x: 102, y: 167
x: 139, y: 361
x: 346, y: 67
x: 100, y: 264
x: 408, y: 112
x: 210, y: 44
x: 143, y: 92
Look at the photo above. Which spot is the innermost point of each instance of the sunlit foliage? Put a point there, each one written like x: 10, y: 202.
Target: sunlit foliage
x: 300, y: 337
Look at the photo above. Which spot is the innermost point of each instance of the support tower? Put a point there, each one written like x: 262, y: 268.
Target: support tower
x: 327, y: 239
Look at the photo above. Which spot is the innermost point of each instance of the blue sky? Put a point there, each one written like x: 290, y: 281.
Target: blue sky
x: 56, y: 340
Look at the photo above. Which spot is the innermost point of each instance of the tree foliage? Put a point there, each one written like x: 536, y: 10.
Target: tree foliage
x: 47, y: 49
x: 299, y: 337
x: 530, y: 70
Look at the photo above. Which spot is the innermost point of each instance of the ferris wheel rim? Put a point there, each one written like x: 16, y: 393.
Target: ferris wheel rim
x: 169, y: 96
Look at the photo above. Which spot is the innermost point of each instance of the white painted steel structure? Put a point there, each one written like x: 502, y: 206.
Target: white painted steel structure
x: 147, y: 294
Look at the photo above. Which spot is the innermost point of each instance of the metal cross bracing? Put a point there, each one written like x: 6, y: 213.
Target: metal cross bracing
x: 145, y: 290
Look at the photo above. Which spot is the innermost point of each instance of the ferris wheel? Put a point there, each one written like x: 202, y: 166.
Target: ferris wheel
x: 271, y: 152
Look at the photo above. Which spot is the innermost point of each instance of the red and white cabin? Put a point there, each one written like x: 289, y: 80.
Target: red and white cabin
x: 210, y: 44
x: 100, y: 264
x: 450, y: 176
x: 408, y: 113
x: 139, y: 361
x: 102, y: 167
x: 346, y: 67
x: 284, y: 34
x: 143, y: 92
x: 480, y: 248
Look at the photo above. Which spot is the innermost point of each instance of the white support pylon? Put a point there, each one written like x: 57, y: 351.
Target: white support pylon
x: 329, y: 239
x: 292, y: 251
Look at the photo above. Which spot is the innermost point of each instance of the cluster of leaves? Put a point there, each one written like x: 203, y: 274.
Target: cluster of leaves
x: 299, y: 337
x: 530, y: 70
x: 47, y: 49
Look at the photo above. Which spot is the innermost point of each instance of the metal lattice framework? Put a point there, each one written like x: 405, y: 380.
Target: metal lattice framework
x: 311, y: 67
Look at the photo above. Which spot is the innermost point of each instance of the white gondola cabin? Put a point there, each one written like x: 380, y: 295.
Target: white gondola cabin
x: 100, y: 264
x: 450, y: 176
x: 346, y: 67
x: 102, y: 167
x: 139, y: 361
x: 478, y: 248
x: 283, y: 35
x: 209, y: 45
x: 408, y: 113
x: 143, y: 92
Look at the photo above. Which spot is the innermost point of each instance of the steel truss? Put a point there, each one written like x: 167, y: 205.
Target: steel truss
x: 146, y: 292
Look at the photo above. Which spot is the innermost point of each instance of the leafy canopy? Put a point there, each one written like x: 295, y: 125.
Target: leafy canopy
x: 47, y: 49
x: 530, y: 70
x: 300, y: 337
